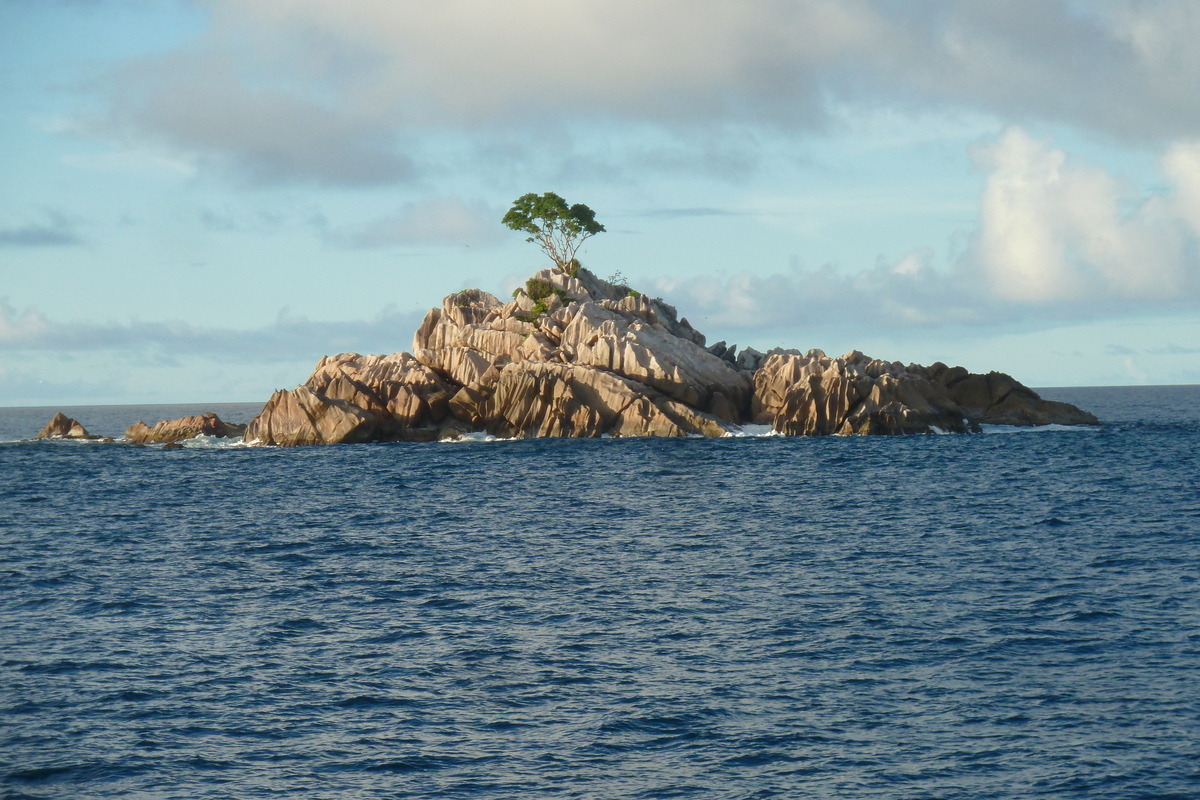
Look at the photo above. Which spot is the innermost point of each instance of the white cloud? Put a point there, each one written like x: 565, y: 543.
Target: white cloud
x: 908, y: 293
x: 1054, y: 241
x: 1182, y: 165
x: 434, y: 221
x: 474, y: 63
x: 17, y: 329
x: 1053, y: 232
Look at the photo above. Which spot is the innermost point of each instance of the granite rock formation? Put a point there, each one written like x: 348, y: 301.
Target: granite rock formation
x: 63, y: 427
x: 353, y: 398
x: 573, y: 355
x: 815, y: 395
x: 174, y: 430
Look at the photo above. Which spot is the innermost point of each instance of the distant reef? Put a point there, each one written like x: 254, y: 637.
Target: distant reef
x: 574, y: 355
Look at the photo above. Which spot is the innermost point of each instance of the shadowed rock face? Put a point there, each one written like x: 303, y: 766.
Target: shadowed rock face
x: 183, y: 428
x: 63, y: 427
x: 998, y: 399
x: 587, y: 358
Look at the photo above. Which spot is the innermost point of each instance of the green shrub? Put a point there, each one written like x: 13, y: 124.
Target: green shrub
x: 538, y: 290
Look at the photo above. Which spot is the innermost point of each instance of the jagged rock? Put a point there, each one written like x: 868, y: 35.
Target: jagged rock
x: 552, y: 399
x: 408, y: 393
x: 602, y: 326
x: 585, y: 286
x: 999, y: 399
x: 183, y: 428
x: 469, y: 333
x: 573, y: 355
x: 63, y: 427
x: 749, y: 359
x: 814, y: 395
x: 650, y: 354
x: 355, y: 398
x: 686, y: 331
x: 303, y: 416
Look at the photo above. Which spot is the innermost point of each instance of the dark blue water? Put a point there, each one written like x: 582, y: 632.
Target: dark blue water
x: 1002, y: 615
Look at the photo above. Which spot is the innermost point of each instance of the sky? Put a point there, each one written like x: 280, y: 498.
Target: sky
x: 200, y: 198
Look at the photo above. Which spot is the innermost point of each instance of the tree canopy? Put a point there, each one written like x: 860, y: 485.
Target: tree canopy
x: 554, y: 226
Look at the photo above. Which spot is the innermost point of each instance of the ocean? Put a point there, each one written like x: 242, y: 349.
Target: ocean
x: 1014, y: 614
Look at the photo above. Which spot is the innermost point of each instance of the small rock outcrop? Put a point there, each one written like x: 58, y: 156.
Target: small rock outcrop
x: 63, y: 427
x: 573, y: 355
x: 174, y: 430
x: 815, y: 395
x: 999, y: 399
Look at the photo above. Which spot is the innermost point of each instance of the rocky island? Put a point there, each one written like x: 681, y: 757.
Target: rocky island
x: 574, y: 355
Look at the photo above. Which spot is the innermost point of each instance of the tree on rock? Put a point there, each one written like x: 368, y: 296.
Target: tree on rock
x: 554, y: 226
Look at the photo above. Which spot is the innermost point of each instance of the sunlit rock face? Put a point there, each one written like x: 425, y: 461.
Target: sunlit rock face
x: 189, y: 427
x: 353, y: 398
x: 63, y: 427
x: 573, y: 355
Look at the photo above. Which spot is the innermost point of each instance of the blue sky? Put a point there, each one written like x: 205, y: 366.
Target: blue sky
x: 202, y: 197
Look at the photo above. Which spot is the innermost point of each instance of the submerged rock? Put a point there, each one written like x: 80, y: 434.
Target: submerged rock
x: 573, y: 355
x: 63, y: 427
x: 206, y: 424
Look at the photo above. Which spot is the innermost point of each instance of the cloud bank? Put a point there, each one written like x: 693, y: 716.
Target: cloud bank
x: 289, y: 337
x: 359, y: 92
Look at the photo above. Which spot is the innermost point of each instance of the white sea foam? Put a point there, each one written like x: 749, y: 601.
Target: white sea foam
x: 476, y: 436
x: 200, y: 442
x: 1036, y: 428
x: 751, y: 431
x: 64, y: 440
x: 217, y: 442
